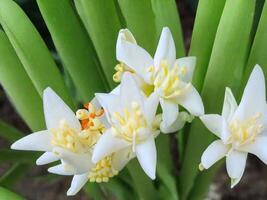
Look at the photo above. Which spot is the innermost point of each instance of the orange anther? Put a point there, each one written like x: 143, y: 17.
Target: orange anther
x: 86, y: 105
x: 92, y: 115
x: 84, y: 123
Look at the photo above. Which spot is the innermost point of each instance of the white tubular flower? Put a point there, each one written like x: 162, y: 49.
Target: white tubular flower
x: 241, y: 129
x: 61, y: 139
x: 168, y: 77
x: 132, y: 125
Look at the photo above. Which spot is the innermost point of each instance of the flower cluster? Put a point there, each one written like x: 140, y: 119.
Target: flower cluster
x: 98, y: 141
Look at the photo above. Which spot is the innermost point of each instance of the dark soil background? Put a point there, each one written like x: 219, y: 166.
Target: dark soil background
x: 33, y: 187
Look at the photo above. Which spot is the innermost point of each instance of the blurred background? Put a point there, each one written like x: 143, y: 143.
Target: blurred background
x: 36, y: 184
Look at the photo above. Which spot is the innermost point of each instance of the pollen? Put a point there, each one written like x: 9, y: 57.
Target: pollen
x: 245, y: 132
x: 103, y: 170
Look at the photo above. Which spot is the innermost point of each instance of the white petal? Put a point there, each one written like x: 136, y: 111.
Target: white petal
x: 130, y: 92
x: 258, y: 148
x: 214, y: 123
x: 177, y: 124
x: 62, y: 169
x: 56, y: 110
x: 235, y: 165
x: 254, y: 98
x: 110, y: 103
x: 116, y: 90
x: 81, y: 162
x: 46, y: 158
x: 107, y: 144
x: 166, y: 48
x: 215, y: 151
x: 125, y: 35
x: 135, y: 57
x: 38, y: 141
x: 229, y: 105
x: 147, y: 156
x: 77, y: 183
x: 122, y: 157
x: 192, y: 101
x: 151, y: 105
x: 188, y: 63
x: 169, y: 111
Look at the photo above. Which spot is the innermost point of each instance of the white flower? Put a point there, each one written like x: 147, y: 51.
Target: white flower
x: 61, y: 139
x: 169, y: 77
x: 241, y: 129
x: 131, y: 116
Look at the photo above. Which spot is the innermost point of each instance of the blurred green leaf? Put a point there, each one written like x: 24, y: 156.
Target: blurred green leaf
x: 228, y: 57
x: 7, y: 131
x: 166, y: 14
x: 140, y: 20
x: 19, y: 88
x: 77, y: 55
x: 207, y: 19
x: 6, y: 194
x: 93, y: 190
x: 102, y: 24
x: 31, y: 50
x: 7, y: 155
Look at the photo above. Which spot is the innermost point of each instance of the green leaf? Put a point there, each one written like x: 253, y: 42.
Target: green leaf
x: 77, y: 55
x: 102, y: 24
x: 6, y: 194
x: 140, y: 20
x: 258, y: 52
x: 31, y: 50
x: 229, y: 55
x: 205, y: 27
x: 94, y: 191
x: 7, y: 131
x: 19, y: 88
x: 166, y: 14
x: 7, y: 155
x: 143, y: 185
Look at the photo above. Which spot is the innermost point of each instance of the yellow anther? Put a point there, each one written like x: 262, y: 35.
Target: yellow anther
x: 103, y: 170
x: 201, y: 167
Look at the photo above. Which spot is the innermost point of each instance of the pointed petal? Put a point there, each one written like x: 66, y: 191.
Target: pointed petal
x: 166, y: 48
x: 135, y: 57
x: 215, y: 151
x: 147, y: 156
x: 107, y: 144
x: 258, y: 148
x: 130, y: 92
x: 56, y: 110
x: 187, y: 63
x: 214, y: 123
x: 62, y: 169
x: 254, y: 98
x: 192, y: 101
x: 38, y: 141
x: 170, y: 111
x: 229, y: 105
x: 122, y: 157
x: 81, y: 162
x: 125, y: 35
x: 77, y: 183
x: 46, y: 158
x: 150, y: 107
x: 235, y: 165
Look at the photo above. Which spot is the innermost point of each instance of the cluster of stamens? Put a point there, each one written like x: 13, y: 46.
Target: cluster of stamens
x: 167, y: 80
x: 245, y: 132
x: 103, y: 170
x: 129, y: 124
x: 120, y: 69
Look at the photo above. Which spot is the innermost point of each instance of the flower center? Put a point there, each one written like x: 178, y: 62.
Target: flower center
x: 103, y: 170
x: 167, y: 81
x: 66, y: 137
x: 245, y: 132
x: 120, y: 69
x: 131, y: 125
